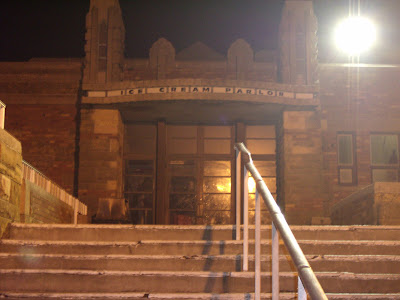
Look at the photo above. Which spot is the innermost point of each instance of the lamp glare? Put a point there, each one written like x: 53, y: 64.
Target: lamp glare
x: 355, y: 35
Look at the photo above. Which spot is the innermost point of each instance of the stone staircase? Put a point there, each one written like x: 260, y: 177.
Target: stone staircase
x: 189, y: 262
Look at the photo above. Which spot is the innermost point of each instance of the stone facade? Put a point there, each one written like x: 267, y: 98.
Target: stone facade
x: 303, y: 184
x: 105, y: 39
x: 10, y: 179
x: 70, y: 115
x: 298, y: 43
x: 100, y: 175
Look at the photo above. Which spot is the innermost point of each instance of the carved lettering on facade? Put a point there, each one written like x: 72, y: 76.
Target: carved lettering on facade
x: 203, y: 89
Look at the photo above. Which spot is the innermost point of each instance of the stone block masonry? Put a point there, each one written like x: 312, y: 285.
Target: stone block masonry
x: 302, y: 166
x: 10, y: 179
x: 100, y: 172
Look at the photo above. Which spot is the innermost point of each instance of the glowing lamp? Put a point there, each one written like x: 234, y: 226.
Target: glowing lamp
x: 355, y: 35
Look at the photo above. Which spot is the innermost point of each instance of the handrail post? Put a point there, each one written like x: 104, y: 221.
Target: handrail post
x: 257, y: 273
x: 301, y: 292
x: 275, y: 263
x: 245, y: 219
x: 238, y: 194
x: 304, y: 270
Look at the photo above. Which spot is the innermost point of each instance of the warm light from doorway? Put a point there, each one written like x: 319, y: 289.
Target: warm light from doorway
x: 252, y: 185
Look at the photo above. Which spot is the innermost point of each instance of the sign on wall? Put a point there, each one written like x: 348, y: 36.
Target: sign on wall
x: 201, y: 90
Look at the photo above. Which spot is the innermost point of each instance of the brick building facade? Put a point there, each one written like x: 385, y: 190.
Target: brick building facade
x: 151, y: 140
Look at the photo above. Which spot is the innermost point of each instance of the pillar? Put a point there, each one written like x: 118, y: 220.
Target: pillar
x: 298, y: 43
x: 105, y: 40
x: 302, y: 185
x: 100, y: 170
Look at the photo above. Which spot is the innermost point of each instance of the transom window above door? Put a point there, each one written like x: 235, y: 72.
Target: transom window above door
x: 194, y: 140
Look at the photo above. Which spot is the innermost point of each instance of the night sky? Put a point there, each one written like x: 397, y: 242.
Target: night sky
x: 56, y: 28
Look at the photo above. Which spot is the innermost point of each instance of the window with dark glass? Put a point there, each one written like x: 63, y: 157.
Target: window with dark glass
x: 261, y: 142
x: 139, y: 185
x: 384, y: 157
x: 182, y: 191
x: 217, y: 191
x: 346, y: 158
x: 139, y: 172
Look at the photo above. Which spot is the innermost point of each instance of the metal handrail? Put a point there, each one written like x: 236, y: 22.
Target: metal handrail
x: 304, y: 270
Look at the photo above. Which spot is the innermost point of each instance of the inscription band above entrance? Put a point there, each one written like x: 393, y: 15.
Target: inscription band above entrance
x: 203, y: 90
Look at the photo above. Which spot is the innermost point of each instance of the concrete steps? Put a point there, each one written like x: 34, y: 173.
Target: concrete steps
x: 191, y: 232
x: 58, y: 281
x: 188, y: 248
x: 189, y: 262
x: 186, y: 296
x: 224, y: 263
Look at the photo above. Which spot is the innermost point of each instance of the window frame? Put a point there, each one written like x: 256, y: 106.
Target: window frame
x: 353, y: 166
x: 384, y: 166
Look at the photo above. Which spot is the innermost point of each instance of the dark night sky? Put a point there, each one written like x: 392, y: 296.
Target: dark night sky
x: 55, y: 28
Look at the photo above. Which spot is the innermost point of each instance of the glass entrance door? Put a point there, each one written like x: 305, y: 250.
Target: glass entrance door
x: 261, y: 142
x: 199, y: 183
x: 140, y: 172
x: 184, y: 174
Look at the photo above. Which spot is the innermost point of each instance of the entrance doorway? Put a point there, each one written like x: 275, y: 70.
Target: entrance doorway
x: 184, y: 174
x: 199, y: 184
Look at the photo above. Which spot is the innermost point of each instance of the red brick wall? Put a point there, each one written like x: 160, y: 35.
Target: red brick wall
x: 47, y: 134
x: 41, y: 101
x: 362, y: 101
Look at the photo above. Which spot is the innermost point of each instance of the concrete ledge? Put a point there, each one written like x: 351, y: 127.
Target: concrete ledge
x: 4, y: 228
x: 10, y: 179
x: 378, y: 203
x: 10, y: 141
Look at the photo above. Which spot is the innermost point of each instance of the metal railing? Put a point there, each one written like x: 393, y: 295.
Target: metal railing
x: 33, y: 175
x: 306, y: 274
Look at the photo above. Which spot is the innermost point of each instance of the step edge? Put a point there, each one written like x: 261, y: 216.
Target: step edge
x: 235, y: 274
x: 330, y: 257
x: 210, y: 227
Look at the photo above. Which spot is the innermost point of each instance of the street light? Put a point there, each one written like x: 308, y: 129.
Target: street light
x: 355, y: 35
